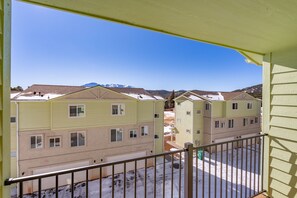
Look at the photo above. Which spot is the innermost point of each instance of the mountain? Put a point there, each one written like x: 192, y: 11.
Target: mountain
x: 255, y: 90
x: 93, y: 84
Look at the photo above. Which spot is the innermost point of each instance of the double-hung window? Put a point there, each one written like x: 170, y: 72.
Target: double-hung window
x: 36, y: 141
x: 249, y: 105
x: 133, y: 133
x: 234, y: 105
x: 76, y: 111
x: 116, y: 135
x: 144, y: 130
x: 230, y: 123
x: 117, y: 109
x: 207, y: 106
x: 78, y: 139
x: 256, y: 119
x: 245, y: 121
x: 54, y: 142
x: 217, y: 124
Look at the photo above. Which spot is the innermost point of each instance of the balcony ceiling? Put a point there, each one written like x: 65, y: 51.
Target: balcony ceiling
x: 253, y: 27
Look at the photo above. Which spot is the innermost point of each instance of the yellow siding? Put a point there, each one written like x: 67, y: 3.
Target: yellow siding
x: 280, y: 118
x: 184, y: 122
x: 218, y: 109
x: 159, y: 126
x: 34, y: 115
x: 242, y: 108
x: 98, y: 113
x: 145, y: 111
x: 198, y: 124
x: 13, y: 140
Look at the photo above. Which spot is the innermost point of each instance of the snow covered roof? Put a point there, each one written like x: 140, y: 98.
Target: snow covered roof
x: 193, y: 97
x: 46, y: 92
x: 137, y: 93
x: 14, y: 94
x: 215, y: 95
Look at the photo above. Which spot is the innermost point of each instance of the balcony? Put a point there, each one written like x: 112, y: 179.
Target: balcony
x: 225, y: 169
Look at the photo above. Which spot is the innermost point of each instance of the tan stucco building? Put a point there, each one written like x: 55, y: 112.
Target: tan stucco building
x: 60, y: 127
x: 204, y: 117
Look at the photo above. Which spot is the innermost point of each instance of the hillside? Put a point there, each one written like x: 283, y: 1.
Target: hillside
x: 255, y: 90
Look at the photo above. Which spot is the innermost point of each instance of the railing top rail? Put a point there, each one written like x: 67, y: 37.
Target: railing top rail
x: 230, y: 141
x: 84, y: 168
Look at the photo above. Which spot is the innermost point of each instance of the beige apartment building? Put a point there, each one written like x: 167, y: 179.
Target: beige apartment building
x: 205, y: 117
x: 59, y: 127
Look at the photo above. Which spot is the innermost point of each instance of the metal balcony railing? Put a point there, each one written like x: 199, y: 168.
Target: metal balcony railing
x: 226, y: 169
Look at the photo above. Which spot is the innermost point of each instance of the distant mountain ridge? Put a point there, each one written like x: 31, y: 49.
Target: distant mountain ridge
x: 255, y: 90
x: 93, y: 84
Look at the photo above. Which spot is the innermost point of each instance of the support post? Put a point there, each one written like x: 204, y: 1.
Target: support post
x: 188, y: 176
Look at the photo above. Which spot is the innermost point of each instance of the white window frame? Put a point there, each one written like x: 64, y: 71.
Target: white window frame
x: 188, y: 131
x: 144, y: 130
x: 77, y: 106
x: 234, y: 105
x: 217, y: 124
x: 249, y: 105
x: 12, y: 119
x: 134, y: 132
x: 231, y: 123
x: 256, y: 120
x: 207, y: 106
x: 251, y: 121
x: 245, y: 121
x: 117, y: 130
x: 36, y: 144
x: 77, y: 140
x: 55, y: 137
x: 120, y: 109
x: 188, y: 112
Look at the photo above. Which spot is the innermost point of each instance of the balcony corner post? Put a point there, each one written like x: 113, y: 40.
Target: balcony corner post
x: 188, y: 176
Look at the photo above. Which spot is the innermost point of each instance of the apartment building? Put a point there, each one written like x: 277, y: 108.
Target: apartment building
x: 204, y: 117
x: 59, y: 127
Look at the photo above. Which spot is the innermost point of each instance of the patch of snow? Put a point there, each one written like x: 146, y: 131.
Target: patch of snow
x: 140, y: 96
x: 193, y: 97
x: 214, y: 97
x: 168, y: 129
x: 159, y: 97
x: 12, y: 95
x: 38, y: 97
x: 169, y: 114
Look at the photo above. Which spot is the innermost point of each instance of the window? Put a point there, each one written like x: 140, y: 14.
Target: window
x: 133, y: 133
x: 234, y: 105
x: 198, y: 131
x: 116, y: 135
x: 222, y: 124
x: 178, y: 103
x: 252, y: 121
x: 188, y: 112
x: 245, y: 121
x: 144, y: 130
x: 76, y: 110
x: 118, y: 109
x: 12, y: 119
x: 198, y: 111
x: 54, y: 142
x: 78, y: 139
x: 207, y: 106
x: 256, y: 119
x: 36, y: 141
x: 188, y: 130
x: 249, y: 105
x: 157, y: 115
x: 230, y: 123
x: 217, y: 124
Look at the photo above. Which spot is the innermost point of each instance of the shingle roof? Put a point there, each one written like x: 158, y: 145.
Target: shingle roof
x: 138, y: 93
x: 231, y: 95
x: 216, y: 95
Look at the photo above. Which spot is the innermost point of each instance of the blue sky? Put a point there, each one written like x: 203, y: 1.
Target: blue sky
x: 54, y: 47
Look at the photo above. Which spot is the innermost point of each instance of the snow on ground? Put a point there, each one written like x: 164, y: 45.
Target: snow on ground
x: 169, y: 114
x: 168, y: 129
x: 217, y: 177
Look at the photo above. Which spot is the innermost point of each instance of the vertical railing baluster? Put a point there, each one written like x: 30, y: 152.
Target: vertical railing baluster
x: 251, y: 162
x: 203, y: 172
x: 163, y: 176
x: 227, y: 164
x: 100, y: 182
x: 236, y: 169
x: 179, y: 179
x: 155, y: 177
x: 221, y: 174
x: 209, y: 170
x: 145, y: 176
x: 232, y: 149
x: 246, y: 165
x: 255, y: 164
x: 215, y: 188
x: 124, y: 194
x: 262, y: 153
x: 57, y: 186
x: 241, y: 167
x: 259, y: 163
x: 87, y: 183
x: 172, y: 159
x: 21, y: 190
x: 39, y: 187
x: 112, y: 181
x: 135, y: 178
x: 72, y: 184
x: 196, y: 154
x: 188, y: 175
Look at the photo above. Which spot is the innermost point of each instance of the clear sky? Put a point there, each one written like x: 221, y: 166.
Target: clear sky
x: 54, y: 47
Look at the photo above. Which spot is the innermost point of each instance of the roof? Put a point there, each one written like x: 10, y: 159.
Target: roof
x: 46, y: 92
x: 211, y: 95
x: 137, y: 93
x: 253, y: 28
